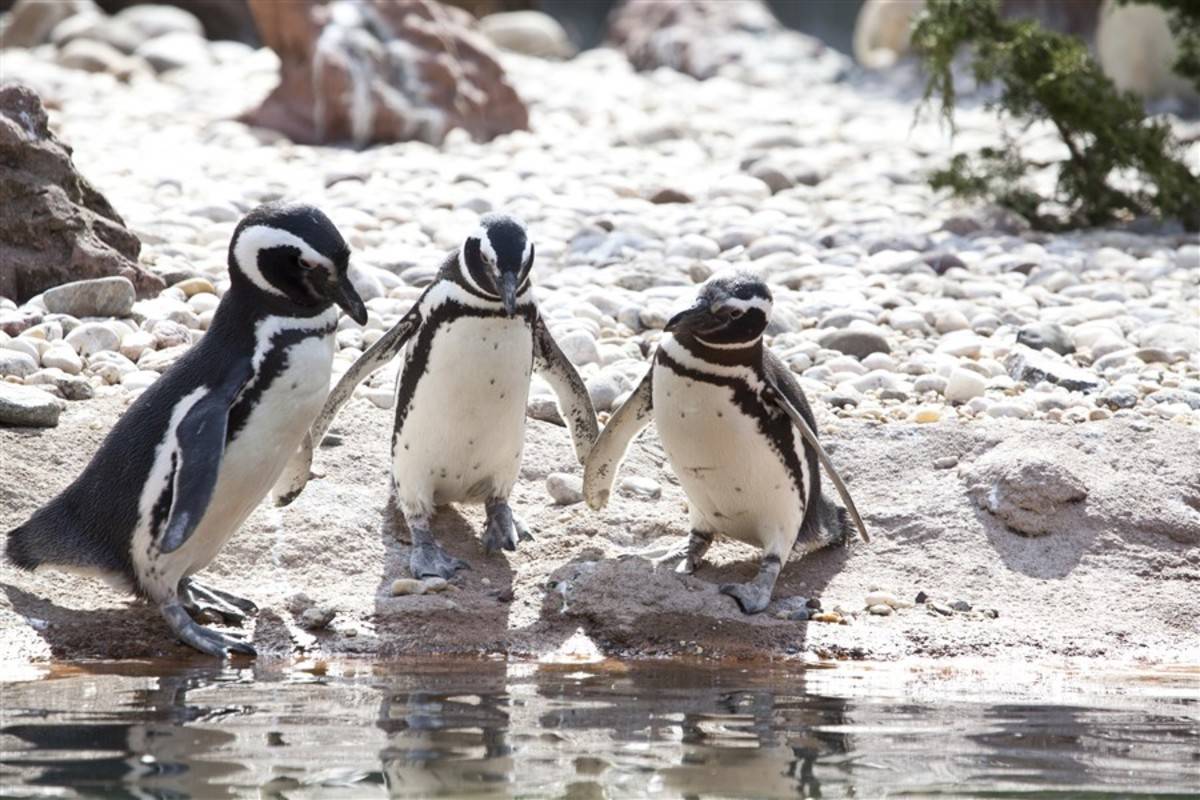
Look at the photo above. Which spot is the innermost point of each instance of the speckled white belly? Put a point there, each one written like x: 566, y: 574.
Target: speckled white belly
x: 462, y: 438
x: 736, y: 483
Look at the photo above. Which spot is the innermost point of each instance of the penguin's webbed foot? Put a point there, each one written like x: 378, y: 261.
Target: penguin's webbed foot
x: 429, y: 560
x: 693, y: 555
x: 504, y: 528
x: 754, y: 597
x: 206, y: 641
x: 204, y: 602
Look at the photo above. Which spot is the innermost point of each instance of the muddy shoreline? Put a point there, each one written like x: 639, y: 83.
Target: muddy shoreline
x: 1113, y: 581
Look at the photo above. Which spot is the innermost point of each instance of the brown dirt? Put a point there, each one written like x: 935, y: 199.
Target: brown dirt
x: 1115, y: 579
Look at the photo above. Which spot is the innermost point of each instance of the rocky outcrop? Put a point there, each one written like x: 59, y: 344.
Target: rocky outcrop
x: 381, y: 71
x: 692, y: 36
x: 737, y: 39
x: 56, y: 227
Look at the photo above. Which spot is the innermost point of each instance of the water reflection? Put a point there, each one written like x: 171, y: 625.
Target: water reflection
x: 489, y: 729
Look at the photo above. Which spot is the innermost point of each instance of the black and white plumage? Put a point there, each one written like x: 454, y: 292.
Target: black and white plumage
x: 470, y: 345
x: 738, y: 432
x: 196, y: 452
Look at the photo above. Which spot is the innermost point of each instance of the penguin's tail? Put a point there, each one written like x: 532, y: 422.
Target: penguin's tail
x: 17, y: 549
x: 828, y: 523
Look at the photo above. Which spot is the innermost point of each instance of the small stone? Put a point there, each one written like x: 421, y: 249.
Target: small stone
x: 857, y: 342
x: 878, y: 598
x: 134, y: 343
x: 950, y: 321
x: 930, y: 383
x: 799, y: 615
x: 564, y: 489
x: 1098, y: 414
x: 880, y: 610
x: 91, y: 338
x: 1034, y: 366
x: 61, y: 356
x: 645, y: 488
x: 174, y: 51
x: 138, y: 379
x: 945, y: 462
x: 921, y: 598
x: 194, y: 286
x: 960, y: 605
x: 1119, y: 396
x: 433, y: 585
x: 938, y: 608
x: 545, y: 408
x: 668, y: 195
x: 693, y: 245
x: 27, y: 407
x: 71, y: 387
x: 101, y: 297
x: 14, y: 362
x: 317, y: 618
x: 402, y: 586
x: 1046, y: 336
x: 532, y: 33
x: 828, y: 616
x: 964, y: 384
x: 580, y: 347
x: 962, y: 343
x: 926, y: 414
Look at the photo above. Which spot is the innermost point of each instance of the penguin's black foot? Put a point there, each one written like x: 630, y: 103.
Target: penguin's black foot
x: 429, y: 560
x: 502, y: 532
x: 752, y: 599
x: 205, y: 603
x: 755, y: 596
x: 693, y: 555
x: 206, y: 641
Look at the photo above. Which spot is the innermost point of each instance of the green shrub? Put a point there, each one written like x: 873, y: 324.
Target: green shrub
x: 1044, y: 75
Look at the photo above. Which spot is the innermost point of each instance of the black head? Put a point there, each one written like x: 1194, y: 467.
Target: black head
x: 497, y: 257
x: 732, y: 311
x: 292, y: 253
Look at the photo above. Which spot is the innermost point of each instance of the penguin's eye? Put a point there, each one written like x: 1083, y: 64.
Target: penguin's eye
x: 306, y: 265
x: 734, y: 313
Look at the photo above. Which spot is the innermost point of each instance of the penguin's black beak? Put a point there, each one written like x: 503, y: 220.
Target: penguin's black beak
x: 345, y: 295
x: 688, y: 319
x: 508, y: 292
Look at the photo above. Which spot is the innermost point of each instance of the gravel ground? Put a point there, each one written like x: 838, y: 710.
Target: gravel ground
x: 1018, y: 413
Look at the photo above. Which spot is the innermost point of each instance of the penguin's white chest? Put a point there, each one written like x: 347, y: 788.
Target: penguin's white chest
x: 464, y: 426
x: 736, y: 482
x: 256, y: 456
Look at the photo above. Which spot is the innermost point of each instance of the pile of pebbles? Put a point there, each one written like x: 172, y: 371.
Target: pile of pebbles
x: 893, y: 304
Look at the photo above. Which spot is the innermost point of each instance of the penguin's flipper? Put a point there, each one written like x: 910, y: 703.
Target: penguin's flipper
x: 572, y: 393
x: 605, y: 459
x: 200, y: 445
x: 790, y: 399
x: 297, y: 471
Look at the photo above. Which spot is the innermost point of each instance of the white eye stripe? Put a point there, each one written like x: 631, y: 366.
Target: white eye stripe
x: 745, y: 305
x: 253, y: 240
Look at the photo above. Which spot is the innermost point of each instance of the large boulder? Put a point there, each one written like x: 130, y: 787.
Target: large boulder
x: 56, y: 227
x: 374, y: 71
x: 29, y: 22
x: 693, y: 36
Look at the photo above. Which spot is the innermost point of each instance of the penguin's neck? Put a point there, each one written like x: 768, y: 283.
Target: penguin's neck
x: 740, y: 354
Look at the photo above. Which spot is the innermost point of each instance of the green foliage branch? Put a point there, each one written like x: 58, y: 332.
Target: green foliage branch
x: 1044, y: 75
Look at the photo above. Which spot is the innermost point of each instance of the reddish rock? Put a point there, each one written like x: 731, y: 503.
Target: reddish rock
x: 56, y: 227
x: 692, y: 36
x: 374, y: 71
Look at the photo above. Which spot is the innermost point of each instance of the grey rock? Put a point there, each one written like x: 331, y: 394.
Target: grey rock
x: 1169, y: 336
x: 24, y: 406
x: 604, y: 390
x: 14, y: 362
x: 543, y: 407
x: 943, y: 262
x: 153, y: 21
x: 1046, y: 336
x: 100, y: 297
x: 175, y: 51
x: 1119, y: 396
x: 30, y: 22
x: 71, y: 387
x: 1032, y: 490
x: 1034, y: 366
x: 91, y: 338
x: 645, y: 488
x: 961, y: 605
x: 945, y: 462
x: 1190, y: 399
x: 857, y: 342
x: 317, y: 618
x: 564, y: 489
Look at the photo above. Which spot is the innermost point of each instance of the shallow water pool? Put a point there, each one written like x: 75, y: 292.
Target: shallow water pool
x: 644, y: 729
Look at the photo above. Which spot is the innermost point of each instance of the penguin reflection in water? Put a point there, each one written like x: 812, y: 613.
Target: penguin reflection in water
x: 198, y: 450
x: 738, y: 433
x: 471, y: 343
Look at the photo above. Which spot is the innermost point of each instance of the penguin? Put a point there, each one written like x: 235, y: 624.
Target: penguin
x: 471, y: 343
x: 196, y: 452
x: 738, y: 433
